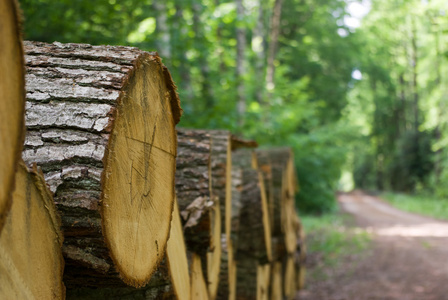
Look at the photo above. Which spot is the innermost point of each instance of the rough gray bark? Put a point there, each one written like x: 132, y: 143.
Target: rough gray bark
x: 159, y: 287
x: 246, y: 278
x: 237, y: 182
x: 72, y: 94
x: 224, y: 276
x: 193, y: 188
x: 251, y: 233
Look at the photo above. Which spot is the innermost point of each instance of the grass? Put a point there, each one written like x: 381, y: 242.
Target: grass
x: 425, y: 205
x: 330, y: 240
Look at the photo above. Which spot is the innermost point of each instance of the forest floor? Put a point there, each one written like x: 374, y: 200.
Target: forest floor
x: 407, y: 258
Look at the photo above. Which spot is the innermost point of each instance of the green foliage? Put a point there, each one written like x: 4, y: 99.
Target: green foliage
x: 421, y: 204
x: 315, y: 106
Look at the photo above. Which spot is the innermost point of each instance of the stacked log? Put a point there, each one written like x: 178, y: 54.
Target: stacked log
x: 100, y: 123
x: 12, y: 101
x: 287, y: 233
x: 146, y: 212
x: 31, y: 262
x: 253, y: 249
x: 171, y: 280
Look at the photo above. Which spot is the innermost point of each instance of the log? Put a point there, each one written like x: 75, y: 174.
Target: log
x: 276, y: 290
x: 100, y: 123
x: 199, y: 202
x: 12, y: 101
x: 278, y: 165
x: 170, y: 281
x: 176, y: 253
x: 31, y: 263
x: 198, y: 285
x: 221, y: 180
x: 254, y: 234
x: 263, y: 281
x: 193, y: 188
x: 247, y: 283
x: 289, y: 278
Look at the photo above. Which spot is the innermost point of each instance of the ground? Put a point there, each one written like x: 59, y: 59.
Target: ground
x: 407, y: 259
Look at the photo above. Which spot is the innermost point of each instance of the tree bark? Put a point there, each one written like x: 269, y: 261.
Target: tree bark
x: 254, y: 235
x: 100, y: 123
x: 12, y: 101
x: 193, y: 188
x: 206, y: 88
x: 258, y: 46
x: 170, y: 281
x: 31, y: 263
x: 273, y: 42
x: 415, y: 75
x: 163, y: 41
x: 200, y: 164
x: 240, y: 62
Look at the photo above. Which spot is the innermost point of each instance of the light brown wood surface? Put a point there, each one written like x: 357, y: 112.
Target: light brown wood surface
x: 198, y: 285
x: 12, y: 101
x: 31, y: 263
x: 176, y: 254
x: 100, y: 122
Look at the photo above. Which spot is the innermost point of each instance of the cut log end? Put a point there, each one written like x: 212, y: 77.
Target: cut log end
x: 138, y: 179
x: 30, y: 245
x: 12, y: 101
x: 198, y: 285
x: 214, y: 255
x: 176, y: 254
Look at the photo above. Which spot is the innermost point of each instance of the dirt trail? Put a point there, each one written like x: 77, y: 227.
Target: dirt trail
x: 408, y: 259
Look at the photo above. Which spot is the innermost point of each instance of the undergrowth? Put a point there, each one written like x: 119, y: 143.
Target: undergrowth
x: 425, y: 205
x: 331, y: 241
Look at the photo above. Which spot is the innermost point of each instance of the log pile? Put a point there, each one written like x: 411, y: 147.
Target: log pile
x: 134, y: 208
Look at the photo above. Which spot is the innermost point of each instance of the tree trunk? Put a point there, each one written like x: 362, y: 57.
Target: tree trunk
x: 12, y: 101
x: 273, y: 41
x: 163, y: 41
x: 179, y: 33
x: 240, y: 62
x: 415, y: 75
x: 206, y: 88
x: 258, y: 43
x: 100, y: 123
x: 31, y: 263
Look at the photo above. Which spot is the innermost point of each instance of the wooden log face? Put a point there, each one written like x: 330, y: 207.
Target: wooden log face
x: 176, y: 254
x: 100, y: 123
x: 31, y: 262
x: 198, y: 285
x: 138, y: 178
x: 12, y: 101
x: 215, y: 252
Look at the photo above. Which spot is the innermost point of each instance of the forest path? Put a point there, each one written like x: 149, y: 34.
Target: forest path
x: 408, y: 259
